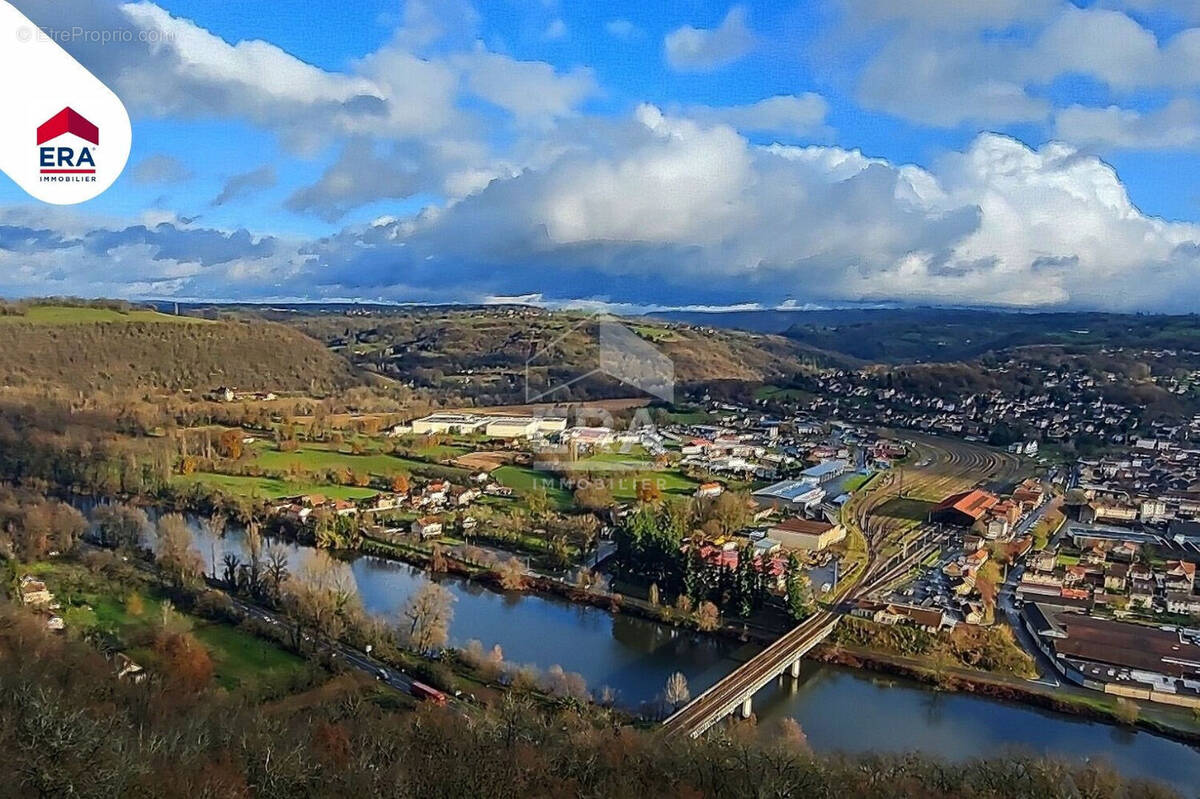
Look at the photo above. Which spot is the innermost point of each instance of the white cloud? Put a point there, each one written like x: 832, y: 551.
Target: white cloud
x: 529, y: 89
x: 557, y: 29
x: 1176, y: 126
x: 623, y: 29
x: 671, y: 211
x: 946, y: 63
x: 691, y: 49
x: 788, y: 114
x: 690, y: 213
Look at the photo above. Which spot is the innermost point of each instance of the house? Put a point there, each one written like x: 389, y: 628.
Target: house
x: 1116, y: 577
x: 1188, y: 604
x: 1043, y: 561
x: 806, y: 534
x: 1160, y: 664
x: 1141, y: 594
x: 34, y: 592
x: 427, y: 527
x: 512, y: 427
x: 930, y: 619
x: 826, y: 470
x: 1179, y: 575
x: 710, y: 490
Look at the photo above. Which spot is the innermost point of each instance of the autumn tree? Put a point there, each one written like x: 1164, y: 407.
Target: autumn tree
x: 708, y: 617
x: 119, y: 526
x: 175, y: 553
x: 229, y: 444
x: 425, y: 619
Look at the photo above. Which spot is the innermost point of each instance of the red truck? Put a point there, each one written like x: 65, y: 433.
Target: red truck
x: 427, y: 694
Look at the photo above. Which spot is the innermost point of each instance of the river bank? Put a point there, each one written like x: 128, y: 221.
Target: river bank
x: 1173, y: 723
x: 629, y: 658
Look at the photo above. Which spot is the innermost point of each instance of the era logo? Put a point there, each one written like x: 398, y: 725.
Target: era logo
x: 67, y: 159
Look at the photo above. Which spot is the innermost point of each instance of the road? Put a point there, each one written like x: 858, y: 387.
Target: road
x: 355, y: 658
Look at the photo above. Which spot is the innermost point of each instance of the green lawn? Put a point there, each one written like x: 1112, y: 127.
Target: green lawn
x: 316, y: 457
x: 241, y: 659
x: 68, y: 315
x: 854, y: 483
x: 521, y: 479
x: 90, y: 602
x: 270, y: 487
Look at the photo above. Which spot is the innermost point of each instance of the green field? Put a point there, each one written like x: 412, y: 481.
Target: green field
x: 240, y: 659
x: 316, y: 457
x: 270, y: 487
x: 521, y: 479
x: 69, y: 315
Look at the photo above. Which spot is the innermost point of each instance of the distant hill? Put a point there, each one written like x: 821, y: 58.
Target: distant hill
x: 945, y: 335
x: 482, y: 352
x: 82, y: 348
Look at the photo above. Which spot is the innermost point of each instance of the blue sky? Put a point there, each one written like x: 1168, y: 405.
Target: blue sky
x: 1015, y: 153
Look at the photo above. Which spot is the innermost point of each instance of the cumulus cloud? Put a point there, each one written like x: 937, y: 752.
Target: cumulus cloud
x: 136, y: 260
x: 671, y: 210
x: 246, y: 184
x: 691, y: 49
x: 1175, y: 126
x: 946, y: 63
x: 695, y: 213
x: 526, y: 88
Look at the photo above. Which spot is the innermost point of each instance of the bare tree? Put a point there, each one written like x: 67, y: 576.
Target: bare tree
x: 426, y: 618
x: 677, y: 692
x: 175, y: 554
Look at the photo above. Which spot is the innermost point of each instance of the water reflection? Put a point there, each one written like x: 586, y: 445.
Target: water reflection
x: 839, y: 709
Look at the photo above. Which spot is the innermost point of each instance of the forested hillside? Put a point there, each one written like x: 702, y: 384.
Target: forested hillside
x: 86, y: 349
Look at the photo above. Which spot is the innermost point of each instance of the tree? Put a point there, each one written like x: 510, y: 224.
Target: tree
x: 320, y: 597
x: 1127, y: 711
x: 677, y: 692
x: 276, y: 569
x: 229, y: 444
x: 400, y: 483
x: 175, y: 553
x: 648, y: 491
x: 593, y: 496
x: 652, y: 596
x: 426, y: 618
x: 537, y: 500
x: 120, y: 526
x: 799, y: 590
x: 708, y: 617
x: 511, y: 574
x: 731, y: 510
x: 987, y: 580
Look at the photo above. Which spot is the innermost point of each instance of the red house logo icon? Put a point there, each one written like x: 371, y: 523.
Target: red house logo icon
x: 61, y: 159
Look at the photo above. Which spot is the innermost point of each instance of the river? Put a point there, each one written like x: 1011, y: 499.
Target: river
x: 839, y: 709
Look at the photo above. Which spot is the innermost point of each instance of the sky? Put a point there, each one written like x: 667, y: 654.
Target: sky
x: 1025, y: 154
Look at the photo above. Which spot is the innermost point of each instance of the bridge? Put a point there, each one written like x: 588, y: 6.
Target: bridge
x: 735, y: 692
x: 737, y: 689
